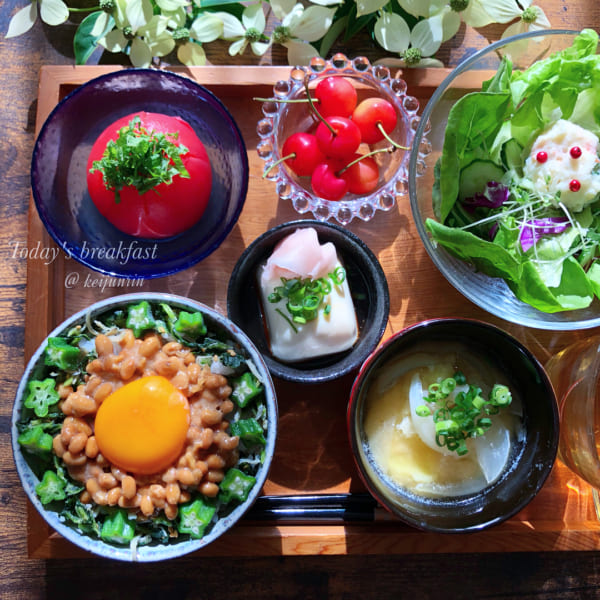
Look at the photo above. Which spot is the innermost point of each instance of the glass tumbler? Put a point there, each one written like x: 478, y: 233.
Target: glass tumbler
x: 575, y: 375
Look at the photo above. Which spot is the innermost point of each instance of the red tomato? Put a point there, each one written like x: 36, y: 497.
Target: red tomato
x: 167, y: 209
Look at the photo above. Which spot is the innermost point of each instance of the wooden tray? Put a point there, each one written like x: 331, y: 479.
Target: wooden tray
x: 312, y: 454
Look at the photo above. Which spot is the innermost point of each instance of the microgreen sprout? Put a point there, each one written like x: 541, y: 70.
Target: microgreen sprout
x: 461, y: 415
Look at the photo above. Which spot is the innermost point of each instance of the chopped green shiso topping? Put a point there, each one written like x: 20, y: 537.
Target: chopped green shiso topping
x: 140, y: 158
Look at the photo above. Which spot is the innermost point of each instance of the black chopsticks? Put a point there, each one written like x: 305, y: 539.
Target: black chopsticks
x: 318, y: 508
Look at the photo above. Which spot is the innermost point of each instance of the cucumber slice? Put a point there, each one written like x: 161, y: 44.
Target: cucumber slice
x: 475, y: 177
x: 513, y: 155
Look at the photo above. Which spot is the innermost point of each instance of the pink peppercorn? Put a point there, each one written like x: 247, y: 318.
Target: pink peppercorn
x: 575, y: 152
x: 541, y: 156
x: 574, y: 185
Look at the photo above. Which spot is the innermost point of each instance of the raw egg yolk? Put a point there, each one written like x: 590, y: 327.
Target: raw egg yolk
x: 142, y: 426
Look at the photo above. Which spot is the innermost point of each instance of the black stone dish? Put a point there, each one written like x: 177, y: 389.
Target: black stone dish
x: 533, y: 454
x: 368, y: 286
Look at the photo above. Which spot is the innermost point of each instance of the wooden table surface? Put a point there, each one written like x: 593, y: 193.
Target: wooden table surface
x: 491, y: 575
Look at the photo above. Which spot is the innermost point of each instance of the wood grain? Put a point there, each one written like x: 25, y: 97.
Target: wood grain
x: 542, y: 575
x: 560, y: 518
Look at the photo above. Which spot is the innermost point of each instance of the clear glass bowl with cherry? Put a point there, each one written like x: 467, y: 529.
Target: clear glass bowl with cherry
x: 307, y: 168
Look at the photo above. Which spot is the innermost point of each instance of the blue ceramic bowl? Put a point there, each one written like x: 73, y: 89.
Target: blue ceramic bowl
x: 29, y: 470
x: 368, y: 286
x: 58, y: 172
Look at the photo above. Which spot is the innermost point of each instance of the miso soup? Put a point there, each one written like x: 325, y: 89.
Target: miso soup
x: 405, y: 447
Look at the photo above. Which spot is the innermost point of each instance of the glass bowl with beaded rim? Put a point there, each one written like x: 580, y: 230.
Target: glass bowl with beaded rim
x: 281, y: 118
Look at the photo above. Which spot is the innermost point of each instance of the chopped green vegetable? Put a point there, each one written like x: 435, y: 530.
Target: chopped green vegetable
x: 50, y: 488
x: 140, y: 318
x: 117, y: 528
x: 305, y: 296
x: 244, y: 388
x: 463, y: 415
x: 236, y: 486
x: 194, y: 518
x: 248, y: 430
x: 140, y: 158
x: 41, y: 396
x: 36, y: 440
x: 190, y: 326
x: 83, y: 517
x: 59, y: 353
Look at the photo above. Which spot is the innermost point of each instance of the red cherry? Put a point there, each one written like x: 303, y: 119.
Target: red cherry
x: 575, y: 152
x: 326, y: 183
x: 336, y: 96
x: 304, y: 152
x: 541, y: 156
x: 363, y: 176
x: 369, y: 114
x: 341, y: 144
x: 574, y: 185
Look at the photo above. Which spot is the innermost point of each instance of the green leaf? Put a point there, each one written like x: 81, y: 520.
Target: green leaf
x: 593, y: 275
x: 486, y: 256
x: 574, y: 291
x: 94, y: 27
x: 356, y: 23
x: 332, y: 35
x: 473, y: 122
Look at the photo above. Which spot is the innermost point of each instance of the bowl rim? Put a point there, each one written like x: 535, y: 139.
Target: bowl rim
x: 351, y: 415
x: 312, y: 376
x: 535, y: 321
x: 151, y: 553
x: 141, y: 72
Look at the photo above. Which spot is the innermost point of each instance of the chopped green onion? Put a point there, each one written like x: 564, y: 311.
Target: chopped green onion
x: 462, y: 415
x: 423, y: 410
x: 305, y: 297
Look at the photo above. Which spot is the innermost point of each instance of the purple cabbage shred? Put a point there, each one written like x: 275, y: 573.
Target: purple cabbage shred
x: 532, y: 231
x: 494, y: 196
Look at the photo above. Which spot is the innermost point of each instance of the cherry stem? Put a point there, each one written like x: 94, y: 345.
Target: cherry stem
x: 315, y: 111
x: 388, y: 138
x: 285, y: 101
x: 363, y: 156
x: 277, y: 163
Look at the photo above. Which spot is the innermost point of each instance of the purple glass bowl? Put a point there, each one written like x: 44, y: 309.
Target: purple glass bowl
x: 58, y: 172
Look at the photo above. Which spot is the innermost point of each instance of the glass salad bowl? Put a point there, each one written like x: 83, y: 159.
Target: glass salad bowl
x: 491, y: 293
x: 283, y: 118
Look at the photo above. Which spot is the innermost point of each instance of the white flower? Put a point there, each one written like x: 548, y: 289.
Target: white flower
x: 52, y: 12
x: 299, y: 26
x: 249, y: 31
x: 139, y: 30
x: 416, y: 46
x: 532, y: 18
